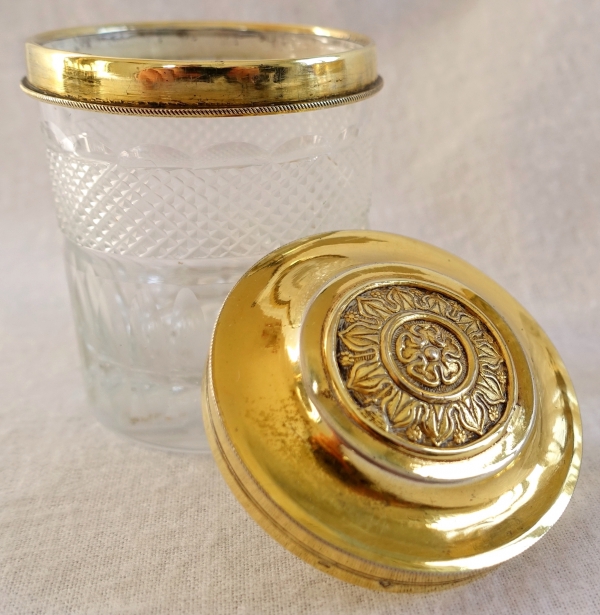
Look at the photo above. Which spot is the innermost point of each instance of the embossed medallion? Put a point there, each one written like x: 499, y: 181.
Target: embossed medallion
x: 421, y: 367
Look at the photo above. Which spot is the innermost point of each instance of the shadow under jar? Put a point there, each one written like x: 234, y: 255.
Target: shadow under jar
x: 180, y: 153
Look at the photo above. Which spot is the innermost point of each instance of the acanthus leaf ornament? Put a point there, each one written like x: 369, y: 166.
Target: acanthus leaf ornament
x: 421, y: 367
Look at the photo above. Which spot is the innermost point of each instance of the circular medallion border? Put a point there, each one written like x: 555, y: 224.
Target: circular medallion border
x: 447, y: 364
x: 422, y: 367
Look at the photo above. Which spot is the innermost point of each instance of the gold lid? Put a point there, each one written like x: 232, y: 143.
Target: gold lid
x: 388, y: 413
x: 200, y: 68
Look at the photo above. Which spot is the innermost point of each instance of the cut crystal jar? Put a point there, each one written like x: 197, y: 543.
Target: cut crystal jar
x: 179, y: 155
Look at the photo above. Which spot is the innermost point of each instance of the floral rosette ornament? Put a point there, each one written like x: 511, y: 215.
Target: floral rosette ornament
x: 421, y: 367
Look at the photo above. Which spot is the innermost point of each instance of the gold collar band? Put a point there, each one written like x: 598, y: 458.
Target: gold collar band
x: 201, y: 68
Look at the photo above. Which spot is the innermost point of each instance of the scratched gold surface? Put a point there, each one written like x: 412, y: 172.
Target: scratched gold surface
x: 348, y: 500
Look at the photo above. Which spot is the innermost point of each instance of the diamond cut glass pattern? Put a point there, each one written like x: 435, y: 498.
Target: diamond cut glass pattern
x: 206, y: 213
x: 163, y: 215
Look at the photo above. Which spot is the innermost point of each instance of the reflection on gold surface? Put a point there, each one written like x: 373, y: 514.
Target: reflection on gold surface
x: 342, y: 490
x: 237, y: 68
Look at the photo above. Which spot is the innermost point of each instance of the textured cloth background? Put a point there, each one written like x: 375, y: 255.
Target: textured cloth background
x: 489, y: 129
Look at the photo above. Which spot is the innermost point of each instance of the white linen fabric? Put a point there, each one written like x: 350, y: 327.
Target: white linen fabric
x: 489, y: 143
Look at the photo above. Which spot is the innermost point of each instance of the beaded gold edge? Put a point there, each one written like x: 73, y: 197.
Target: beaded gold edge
x: 159, y: 111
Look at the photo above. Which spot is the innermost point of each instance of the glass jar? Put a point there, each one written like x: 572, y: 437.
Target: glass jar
x: 179, y: 156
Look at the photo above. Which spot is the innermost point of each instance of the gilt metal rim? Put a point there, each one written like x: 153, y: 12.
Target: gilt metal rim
x: 336, y: 101
x: 189, y: 69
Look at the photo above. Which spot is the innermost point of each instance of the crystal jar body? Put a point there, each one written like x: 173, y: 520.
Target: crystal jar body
x: 162, y: 215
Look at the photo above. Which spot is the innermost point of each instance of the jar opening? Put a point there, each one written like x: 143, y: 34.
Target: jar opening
x: 201, y: 68
x: 203, y: 45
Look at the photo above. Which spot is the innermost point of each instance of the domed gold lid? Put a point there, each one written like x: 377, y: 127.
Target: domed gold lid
x: 388, y: 413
